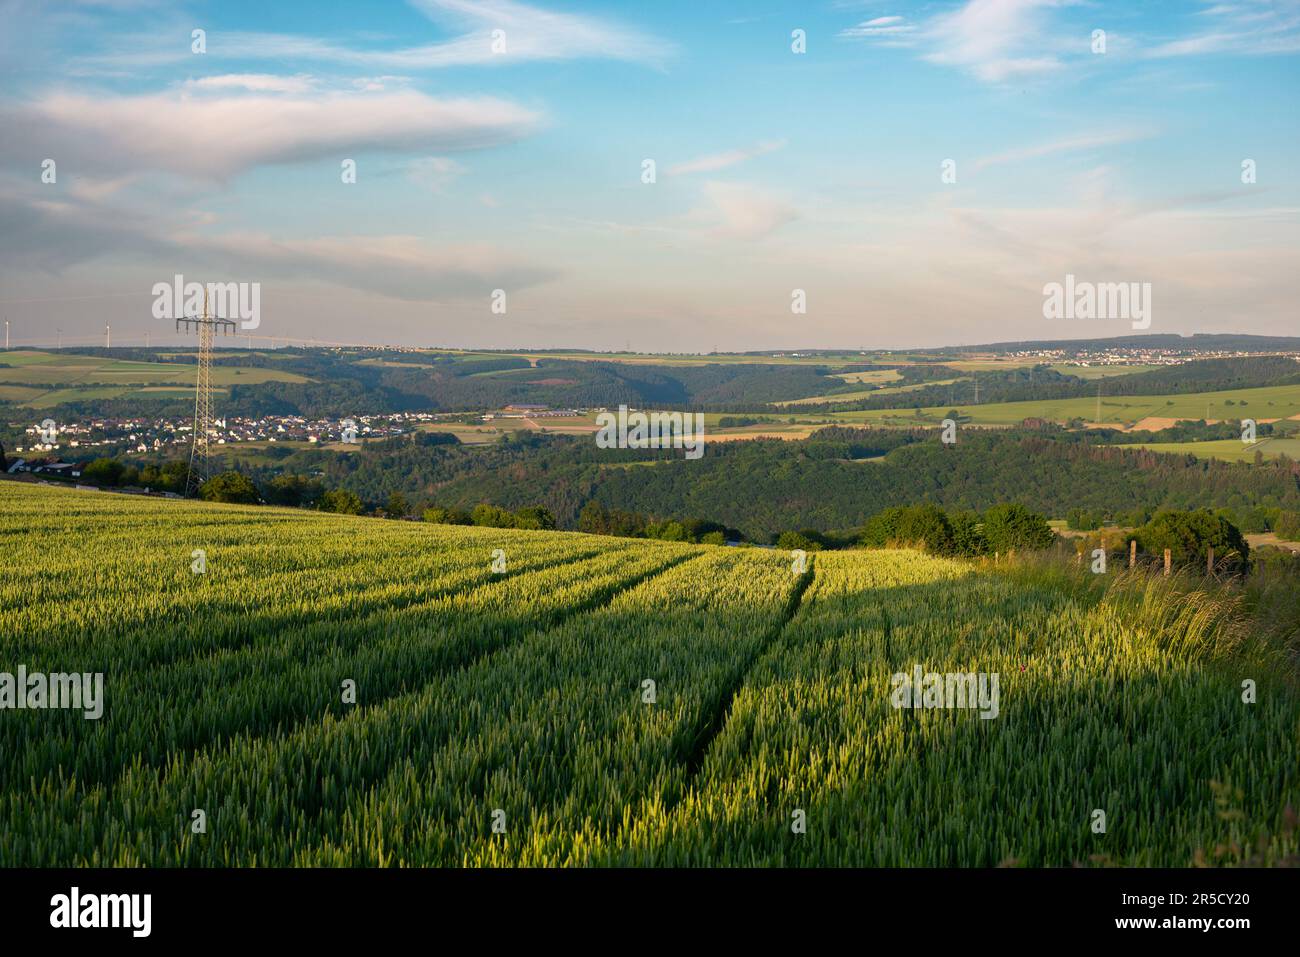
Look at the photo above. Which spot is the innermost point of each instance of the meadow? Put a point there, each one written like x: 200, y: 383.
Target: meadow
x: 1263, y: 404
x: 548, y: 699
x: 42, y: 380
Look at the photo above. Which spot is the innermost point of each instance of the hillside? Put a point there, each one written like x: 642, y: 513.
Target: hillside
x: 518, y: 699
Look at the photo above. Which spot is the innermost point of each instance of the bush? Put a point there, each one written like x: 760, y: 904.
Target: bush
x: 968, y: 534
x: 534, y: 517
x: 103, y: 471
x: 397, y: 506
x: 340, y: 501
x: 598, y: 520
x: 231, y: 487
x: 1012, y: 526
x: 1081, y: 520
x: 447, y: 516
x: 924, y: 525
x: 1189, y: 536
x: 293, y: 490
x: 492, y: 516
x: 789, y: 541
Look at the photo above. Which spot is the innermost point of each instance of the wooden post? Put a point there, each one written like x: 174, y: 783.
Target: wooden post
x: 1168, y: 561
x: 1209, y: 561
x: 1132, y: 552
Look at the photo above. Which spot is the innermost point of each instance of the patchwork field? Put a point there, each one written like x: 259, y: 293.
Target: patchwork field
x: 603, y: 701
x: 1271, y: 402
x: 1228, y: 450
x: 44, y: 379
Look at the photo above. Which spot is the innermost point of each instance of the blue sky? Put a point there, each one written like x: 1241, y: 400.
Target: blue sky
x: 521, y: 169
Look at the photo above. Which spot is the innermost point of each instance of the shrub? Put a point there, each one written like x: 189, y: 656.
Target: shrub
x: 230, y: 487
x: 1010, y: 526
x: 492, y: 516
x: 342, y: 501
x: 534, y: 517
x: 447, y: 516
x: 789, y: 541
x: 103, y: 471
x: 924, y: 525
x: 1189, y: 535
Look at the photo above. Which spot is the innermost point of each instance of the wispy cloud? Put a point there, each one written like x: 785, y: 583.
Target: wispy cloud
x: 256, y: 82
x: 1070, y: 144
x: 716, y: 161
x: 1260, y: 27
x: 495, y: 32
x: 215, y: 137
x: 742, y: 211
x: 995, y: 40
x: 892, y: 31
x: 51, y: 236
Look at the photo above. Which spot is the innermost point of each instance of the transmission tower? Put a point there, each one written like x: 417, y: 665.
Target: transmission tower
x: 207, y: 328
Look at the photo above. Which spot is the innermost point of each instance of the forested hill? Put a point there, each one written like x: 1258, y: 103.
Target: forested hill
x: 1042, y: 383
x: 1200, y: 342
x: 762, y: 487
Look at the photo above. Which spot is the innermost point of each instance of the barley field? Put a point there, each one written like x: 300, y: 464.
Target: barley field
x: 343, y: 691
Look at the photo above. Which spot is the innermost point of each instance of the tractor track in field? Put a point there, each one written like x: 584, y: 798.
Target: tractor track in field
x: 281, y: 726
x: 718, y: 716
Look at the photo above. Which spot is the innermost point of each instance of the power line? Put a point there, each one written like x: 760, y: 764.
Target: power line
x: 207, y: 328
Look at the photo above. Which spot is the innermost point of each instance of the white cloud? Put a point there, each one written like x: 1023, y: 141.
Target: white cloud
x: 717, y: 161
x: 740, y: 211
x: 1070, y: 144
x: 1256, y: 27
x: 256, y: 82
x: 893, y: 30
x: 55, y: 236
x: 435, y: 173
x: 531, y: 33
x: 218, y: 136
x: 994, y: 39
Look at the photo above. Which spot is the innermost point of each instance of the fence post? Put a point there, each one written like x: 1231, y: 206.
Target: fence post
x: 1209, y: 561
x: 1132, y: 552
x: 1168, y: 561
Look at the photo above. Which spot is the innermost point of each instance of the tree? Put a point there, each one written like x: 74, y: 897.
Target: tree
x: 294, y: 490
x: 492, y: 516
x: 923, y: 525
x: 230, y: 487
x: 175, y: 475
x: 341, y: 501
x: 534, y: 517
x: 968, y: 534
x: 103, y: 471
x: 447, y: 516
x: 397, y: 506
x: 1010, y: 525
x: 789, y: 541
x: 1189, y: 536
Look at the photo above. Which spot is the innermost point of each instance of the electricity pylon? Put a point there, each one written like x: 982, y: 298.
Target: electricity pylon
x: 207, y: 327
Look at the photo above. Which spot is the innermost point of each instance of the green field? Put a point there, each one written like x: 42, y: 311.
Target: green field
x: 1270, y: 402
x: 42, y: 380
x: 520, y: 699
x: 1228, y: 450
